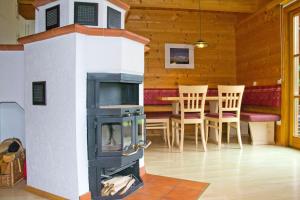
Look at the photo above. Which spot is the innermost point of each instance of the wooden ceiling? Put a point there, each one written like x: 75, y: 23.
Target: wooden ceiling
x: 243, y: 6
x: 26, y: 8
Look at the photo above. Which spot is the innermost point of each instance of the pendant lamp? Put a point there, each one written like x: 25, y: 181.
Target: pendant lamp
x: 200, y: 43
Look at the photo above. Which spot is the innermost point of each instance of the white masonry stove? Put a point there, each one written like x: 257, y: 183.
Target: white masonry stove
x: 75, y: 40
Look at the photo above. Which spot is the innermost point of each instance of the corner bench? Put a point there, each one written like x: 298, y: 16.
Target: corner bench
x: 260, y: 110
x: 261, y: 125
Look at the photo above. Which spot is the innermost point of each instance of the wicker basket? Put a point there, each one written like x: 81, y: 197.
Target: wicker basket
x: 15, y: 172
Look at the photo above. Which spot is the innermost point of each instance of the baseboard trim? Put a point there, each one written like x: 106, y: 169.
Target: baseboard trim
x: 42, y: 193
x: 47, y: 195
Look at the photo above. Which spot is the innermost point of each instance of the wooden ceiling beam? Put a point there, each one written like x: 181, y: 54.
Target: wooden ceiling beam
x: 26, y: 7
x: 271, y: 4
x: 241, y: 6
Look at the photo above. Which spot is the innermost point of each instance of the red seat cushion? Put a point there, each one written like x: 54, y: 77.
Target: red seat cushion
x: 259, y: 117
x: 212, y: 92
x: 158, y: 115
x: 216, y: 115
x: 193, y: 115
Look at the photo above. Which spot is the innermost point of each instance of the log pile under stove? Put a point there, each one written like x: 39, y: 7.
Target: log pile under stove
x: 118, y: 184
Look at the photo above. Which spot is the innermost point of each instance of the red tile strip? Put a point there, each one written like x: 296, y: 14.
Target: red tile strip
x: 86, y: 196
x: 165, y: 188
x: 39, y: 3
x: 11, y: 47
x: 76, y: 28
x: 120, y: 4
x: 142, y: 171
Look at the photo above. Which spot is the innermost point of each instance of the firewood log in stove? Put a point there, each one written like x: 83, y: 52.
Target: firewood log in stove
x: 116, y: 184
x: 126, y: 188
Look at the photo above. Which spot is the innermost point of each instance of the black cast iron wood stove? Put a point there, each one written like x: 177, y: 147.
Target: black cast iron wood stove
x: 116, y: 130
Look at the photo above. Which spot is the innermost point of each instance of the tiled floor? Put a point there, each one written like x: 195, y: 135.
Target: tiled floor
x: 155, y: 188
x: 164, y: 188
x: 254, y: 173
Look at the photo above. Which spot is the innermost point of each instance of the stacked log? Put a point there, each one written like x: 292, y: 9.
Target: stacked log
x: 117, y: 184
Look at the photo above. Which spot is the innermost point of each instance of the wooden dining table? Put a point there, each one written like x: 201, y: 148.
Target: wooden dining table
x: 213, y: 103
x: 213, y: 108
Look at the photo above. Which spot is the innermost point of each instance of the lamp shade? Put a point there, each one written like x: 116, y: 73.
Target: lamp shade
x: 200, y: 44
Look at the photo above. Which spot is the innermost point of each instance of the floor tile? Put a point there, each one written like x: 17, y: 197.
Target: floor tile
x: 166, y: 188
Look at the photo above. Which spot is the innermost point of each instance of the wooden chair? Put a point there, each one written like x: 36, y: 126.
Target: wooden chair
x: 159, y: 121
x: 192, y: 102
x: 230, y: 100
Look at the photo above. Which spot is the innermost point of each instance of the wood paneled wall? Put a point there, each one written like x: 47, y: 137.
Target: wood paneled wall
x: 213, y: 65
x: 259, y: 48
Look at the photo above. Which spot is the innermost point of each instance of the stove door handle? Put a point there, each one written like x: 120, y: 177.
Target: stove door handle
x: 146, y: 145
x: 130, y: 153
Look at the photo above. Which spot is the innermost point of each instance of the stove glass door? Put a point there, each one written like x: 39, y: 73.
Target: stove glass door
x: 141, y: 129
x: 127, y: 127
x: 111, y: 137
x: 115, y: 134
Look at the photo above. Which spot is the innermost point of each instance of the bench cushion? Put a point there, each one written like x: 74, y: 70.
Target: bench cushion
x: 269, y: 96
x: 158, y: 115
x: 259, y: 117
x: 151, y: 96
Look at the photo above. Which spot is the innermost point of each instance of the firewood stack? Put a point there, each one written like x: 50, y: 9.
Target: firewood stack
x: 117, y: 184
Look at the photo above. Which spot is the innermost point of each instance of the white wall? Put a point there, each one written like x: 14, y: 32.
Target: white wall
x: 67, y: 13
x: 111, y: 54
x: 12, y: 122
x: 51, y: 129
x: 12, y: 77
x: 12, y: 25
x: 57, y: 133
x: 12, y: 90
x: 81, y: 118
x: 132, y: 57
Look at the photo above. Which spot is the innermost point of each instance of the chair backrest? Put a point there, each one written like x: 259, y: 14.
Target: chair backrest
x: 230, y: 98
x: 192, y: 98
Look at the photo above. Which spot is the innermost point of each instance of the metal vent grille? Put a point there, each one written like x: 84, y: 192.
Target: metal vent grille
x: 52, y: 17
x: 86, y: 13
x: 113, y: 18
x: 39, y: 93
